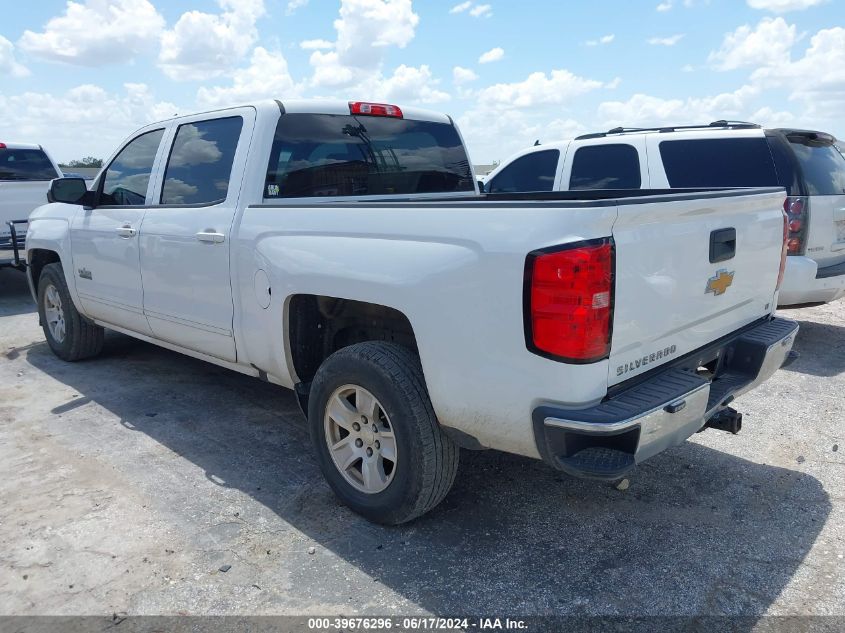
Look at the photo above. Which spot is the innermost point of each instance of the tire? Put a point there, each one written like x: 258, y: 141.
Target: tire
x: 425, y: 460
x: 78, y: 338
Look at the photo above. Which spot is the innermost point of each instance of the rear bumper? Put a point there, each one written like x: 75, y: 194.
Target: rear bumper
x: 804, y: 282
x: 661, y: 411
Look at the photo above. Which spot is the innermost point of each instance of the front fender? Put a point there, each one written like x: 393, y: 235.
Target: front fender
x: 49, y: 229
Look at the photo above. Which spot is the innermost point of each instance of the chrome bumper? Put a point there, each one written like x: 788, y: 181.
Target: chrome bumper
x: 654, y: 414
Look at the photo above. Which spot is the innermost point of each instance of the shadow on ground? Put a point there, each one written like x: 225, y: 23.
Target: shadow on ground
x: 698, y: 532
x: 822, y: 349
x: 14, y: 293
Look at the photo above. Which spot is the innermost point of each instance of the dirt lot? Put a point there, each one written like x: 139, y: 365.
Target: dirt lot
x: 128, y: 481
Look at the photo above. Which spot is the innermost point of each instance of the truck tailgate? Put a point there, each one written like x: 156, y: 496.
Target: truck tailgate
x: 18, y: 199
x: 670, y: 298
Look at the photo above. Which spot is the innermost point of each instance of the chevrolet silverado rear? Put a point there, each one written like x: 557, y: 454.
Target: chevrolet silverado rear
x: 342, y: 250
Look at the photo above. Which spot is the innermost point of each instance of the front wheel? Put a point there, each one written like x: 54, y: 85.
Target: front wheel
x: 378, y: 442
x: 68, y: 333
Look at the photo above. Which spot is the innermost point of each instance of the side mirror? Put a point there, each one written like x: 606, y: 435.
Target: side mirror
x: 70, y: 191
x: 481, y: 186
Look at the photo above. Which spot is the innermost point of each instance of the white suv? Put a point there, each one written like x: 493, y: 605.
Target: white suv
x: 721, y: 154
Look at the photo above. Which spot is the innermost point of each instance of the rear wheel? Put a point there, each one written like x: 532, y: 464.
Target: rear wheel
x: 68, y: 333
x: 377, y: 439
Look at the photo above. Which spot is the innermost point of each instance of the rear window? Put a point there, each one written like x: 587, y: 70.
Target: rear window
x: 25, y: 164
x: 822, y: 165
x: 614, y: 166
x: 532, y: 172
x: 719, y: 162
x: 344, y: 155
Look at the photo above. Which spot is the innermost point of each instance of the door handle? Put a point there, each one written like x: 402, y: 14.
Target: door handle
x: 210, y: 237
x: 126, y: 231
x: 722, y: 245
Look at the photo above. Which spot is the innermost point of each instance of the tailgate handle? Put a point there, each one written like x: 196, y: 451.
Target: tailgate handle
x: 722, y: 245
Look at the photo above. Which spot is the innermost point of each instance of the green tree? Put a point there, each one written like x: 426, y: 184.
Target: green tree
x: 88, y: 161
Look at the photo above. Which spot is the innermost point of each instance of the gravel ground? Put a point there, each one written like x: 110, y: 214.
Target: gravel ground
x: 129, y: 482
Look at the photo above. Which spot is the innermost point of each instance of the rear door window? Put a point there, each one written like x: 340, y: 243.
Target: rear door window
x: 612, y: 166
x: 822, y: 165
x: 25, y: 164
x: 532, y: 172
x: 200, y: 162
x: 317, y: 155
x: 719, y: 162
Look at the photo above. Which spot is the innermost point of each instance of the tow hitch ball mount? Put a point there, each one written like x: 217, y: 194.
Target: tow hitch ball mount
x: 727, y: 419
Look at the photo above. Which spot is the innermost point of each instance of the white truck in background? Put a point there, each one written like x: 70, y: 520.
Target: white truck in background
x: 807, y: 163
x: 342, y: 250
x: 25, y: 174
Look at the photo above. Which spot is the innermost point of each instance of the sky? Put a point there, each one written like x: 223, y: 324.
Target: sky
x: 79, y: 76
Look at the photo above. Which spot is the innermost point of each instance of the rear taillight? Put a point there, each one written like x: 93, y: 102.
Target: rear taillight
x: 569, y: 301
x: 797, y: 215
x: 374, y: 109
x: 2, y: 146
x: 784, y: 247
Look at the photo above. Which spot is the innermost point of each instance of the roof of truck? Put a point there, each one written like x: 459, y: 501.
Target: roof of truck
x: 324, y: 106
x: 11, y: 145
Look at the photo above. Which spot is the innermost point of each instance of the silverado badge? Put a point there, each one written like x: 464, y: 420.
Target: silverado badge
x: 720, y: 282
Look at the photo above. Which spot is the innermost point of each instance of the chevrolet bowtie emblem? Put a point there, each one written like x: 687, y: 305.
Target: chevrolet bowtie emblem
x: 720, y: 282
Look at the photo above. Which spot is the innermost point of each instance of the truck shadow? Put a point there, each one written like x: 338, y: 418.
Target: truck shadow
x: 699, y: 532
x: 14, y: 293
x: 822, y: 349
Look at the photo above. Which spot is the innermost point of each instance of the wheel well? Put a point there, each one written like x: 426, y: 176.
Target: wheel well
x: 319, y: 326
x: 39, y: 258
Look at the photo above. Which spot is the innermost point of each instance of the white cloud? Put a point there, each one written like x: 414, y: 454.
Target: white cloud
x: 8, y: 64
x: 96, y: 32
x: 558, y: 87
x: 666, y: 41
x: 481, y: 10
x: 365, y: 31
x: 293, y: 5
x: 475, y: 10
x: 766, y: 44
x: 315, y: 45
x: 266, y: 77
x: 462, y: 75
x: 667, y: 5
x: 493, y: 55
x: 604, y: 39
x: 203, y: 45
x: 783, y: 6
x: 644, y: 109
x: 84, y: 121
x: 410, y: 85
x: 823, y: 97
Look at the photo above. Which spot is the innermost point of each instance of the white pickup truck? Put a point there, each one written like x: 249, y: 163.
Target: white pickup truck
x: 25, y: 174
x: 343, y: 250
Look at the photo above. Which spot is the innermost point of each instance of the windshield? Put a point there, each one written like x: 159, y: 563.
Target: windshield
x: 344, y: 155
x: 823, y: 166
x: 25, y: 164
